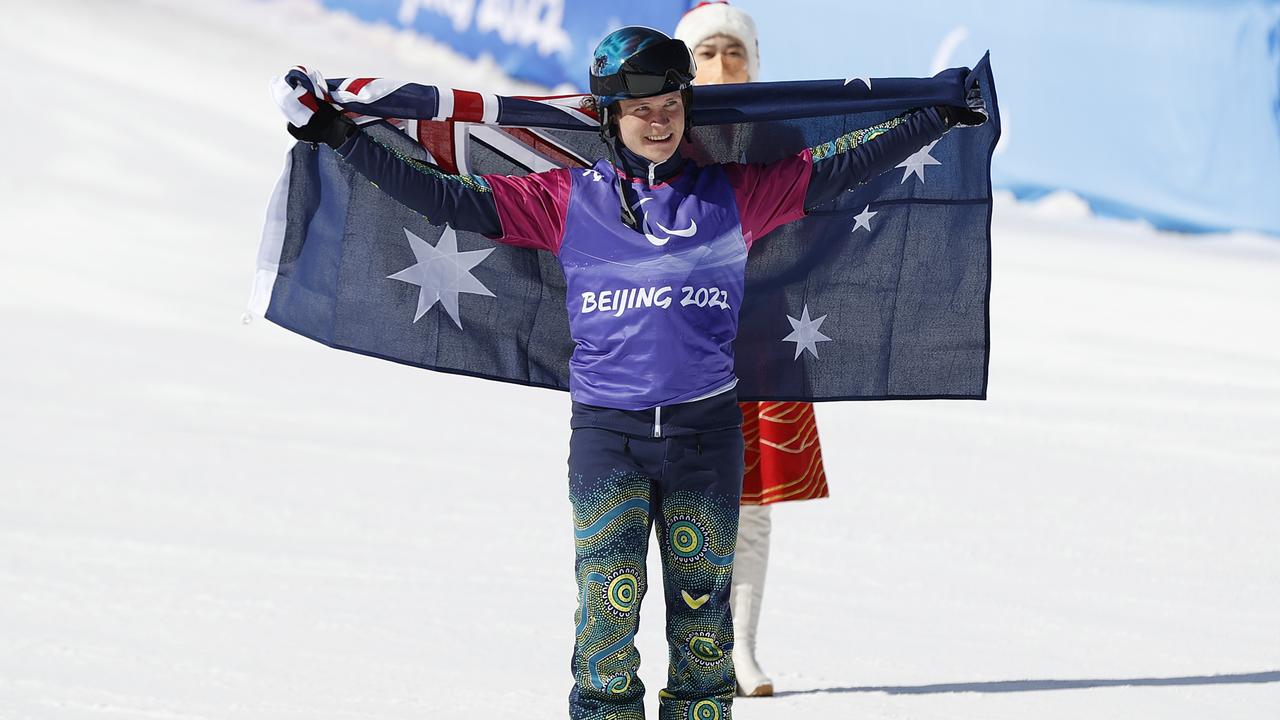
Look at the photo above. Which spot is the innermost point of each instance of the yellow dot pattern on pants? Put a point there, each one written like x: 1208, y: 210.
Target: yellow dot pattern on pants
x: 622, y: 592
x: 705, y: 649
x: 619, y: 684
x: 612, y: 521
x: 686, y: 539
x: 705, y: 710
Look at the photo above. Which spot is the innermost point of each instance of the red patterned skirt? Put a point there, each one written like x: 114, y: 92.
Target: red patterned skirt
x: 783, y: 457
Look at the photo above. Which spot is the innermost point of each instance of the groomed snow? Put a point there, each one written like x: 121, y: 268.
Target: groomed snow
x: 202, y: 519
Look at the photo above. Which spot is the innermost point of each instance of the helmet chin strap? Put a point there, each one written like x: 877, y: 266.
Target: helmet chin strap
x: 609, y: 137
x: 686, y: 97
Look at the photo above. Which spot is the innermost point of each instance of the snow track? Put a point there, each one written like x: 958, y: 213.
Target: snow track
x: 204, y: 520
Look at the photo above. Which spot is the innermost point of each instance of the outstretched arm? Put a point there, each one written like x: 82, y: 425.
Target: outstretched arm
x: 524, y: 211
x: 784, y: 191
x: 858, y: 157
x: 463, y: 201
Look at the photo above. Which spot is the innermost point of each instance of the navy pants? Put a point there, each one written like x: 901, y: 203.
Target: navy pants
x: 621, y: 485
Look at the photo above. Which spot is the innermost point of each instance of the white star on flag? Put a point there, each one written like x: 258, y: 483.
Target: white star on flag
x: 917, y: 162
x: 865, y: 80
x: 804, y: 333
x: 863, y: 219
x: 442, y: 273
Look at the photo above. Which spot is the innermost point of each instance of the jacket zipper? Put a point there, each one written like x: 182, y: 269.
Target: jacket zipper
x: 657, y: 412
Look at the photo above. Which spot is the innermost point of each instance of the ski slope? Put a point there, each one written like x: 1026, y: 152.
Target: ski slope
x: 206, y: 519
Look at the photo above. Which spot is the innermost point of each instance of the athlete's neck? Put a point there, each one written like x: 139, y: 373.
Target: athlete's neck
x: 635, y: 166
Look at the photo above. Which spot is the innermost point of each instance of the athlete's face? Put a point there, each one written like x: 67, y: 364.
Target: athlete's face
x: 721, y: 59
x: 652, y: 127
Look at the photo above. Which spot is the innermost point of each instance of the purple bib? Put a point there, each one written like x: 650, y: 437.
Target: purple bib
x: 653, y: 314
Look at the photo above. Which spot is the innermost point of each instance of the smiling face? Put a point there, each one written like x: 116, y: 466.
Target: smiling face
x: 721, y: 59
x: 652, y: 127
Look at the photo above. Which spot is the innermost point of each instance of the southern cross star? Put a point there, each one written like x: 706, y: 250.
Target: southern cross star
x: 917, y: 162
x: 863, y: 219
x: 804, y: 333
x: 442, y: 273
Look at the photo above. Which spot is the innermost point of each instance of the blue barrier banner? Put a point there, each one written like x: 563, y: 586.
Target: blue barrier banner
x: 1167, y: 110
x: 548, y: 42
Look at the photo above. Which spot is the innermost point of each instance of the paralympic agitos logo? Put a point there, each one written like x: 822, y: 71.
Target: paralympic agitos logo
x: 660, y: 241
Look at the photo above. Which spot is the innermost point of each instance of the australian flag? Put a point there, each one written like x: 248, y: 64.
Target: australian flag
x: 881, y: 294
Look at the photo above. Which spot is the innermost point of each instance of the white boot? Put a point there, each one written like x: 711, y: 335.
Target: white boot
x: 751, y: 560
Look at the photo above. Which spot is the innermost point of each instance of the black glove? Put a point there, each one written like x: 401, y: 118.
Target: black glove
x: 326, y: 126
x: 973, y: 114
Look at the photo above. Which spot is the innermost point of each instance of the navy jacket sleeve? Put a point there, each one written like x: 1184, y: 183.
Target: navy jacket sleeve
x: 781, y: 192
x: 465, y: 202
x: 852, y: 159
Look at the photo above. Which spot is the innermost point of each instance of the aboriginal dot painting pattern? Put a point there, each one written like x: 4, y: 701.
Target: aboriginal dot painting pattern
x: 696, y: 534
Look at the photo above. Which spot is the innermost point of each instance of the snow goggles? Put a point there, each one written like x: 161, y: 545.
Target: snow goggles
x: 664, y: 67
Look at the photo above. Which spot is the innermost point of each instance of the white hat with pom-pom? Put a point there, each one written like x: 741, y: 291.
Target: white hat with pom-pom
x: 708, y: 19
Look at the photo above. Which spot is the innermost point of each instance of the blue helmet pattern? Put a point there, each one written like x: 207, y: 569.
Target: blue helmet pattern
x: 636, y: 49
x: 621, y: 44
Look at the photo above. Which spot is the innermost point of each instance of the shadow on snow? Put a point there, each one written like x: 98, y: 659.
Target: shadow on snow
x: 1008, y: 686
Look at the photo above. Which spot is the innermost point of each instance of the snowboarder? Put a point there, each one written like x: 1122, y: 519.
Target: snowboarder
x: 654, y: 250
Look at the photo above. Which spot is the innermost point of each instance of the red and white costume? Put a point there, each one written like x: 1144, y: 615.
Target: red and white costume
x: 783, y: 454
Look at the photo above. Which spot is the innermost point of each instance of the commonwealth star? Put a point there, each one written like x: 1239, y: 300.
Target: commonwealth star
x: 442, y: 272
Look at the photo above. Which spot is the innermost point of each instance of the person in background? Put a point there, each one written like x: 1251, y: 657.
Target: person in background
x: 783, y: 457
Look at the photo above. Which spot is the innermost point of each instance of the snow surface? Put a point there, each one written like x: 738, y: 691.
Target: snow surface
x: 201, y: 519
